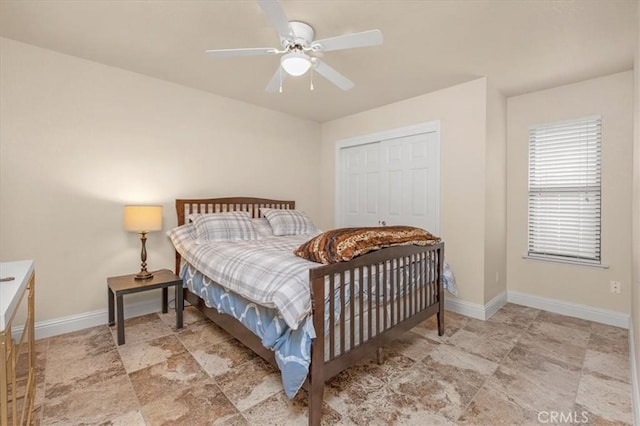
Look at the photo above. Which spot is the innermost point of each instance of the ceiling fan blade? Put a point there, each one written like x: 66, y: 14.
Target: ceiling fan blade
x: 349, y: 41
x: 332, y: 75
x: 277, y: 17
x: 274, y: 85
x: 222, y: 53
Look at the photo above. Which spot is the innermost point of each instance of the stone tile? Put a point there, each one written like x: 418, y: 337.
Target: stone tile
x: 280, y: 410
x: 609, y: 346
x: 36, y: 415
x: 132, y: 418
x: 200, y: 404
x: 142, y: 328
x: 422, y: 381
x: 136, y: 356
x: 80, y: 344
x: 250, y: 383
x: 22, y: 369
x: 352, y: 387
x: 555, y: 333
x: 535, y: 382
x: 413, y: 346
x: 515, y: 315
x: 433, y: 391
x: 237, y: 420
x: 95, y: 404
x: 566, y: 321
x: 63, y: 376
x: 611, y: 365
x: 587, y: 418
x: 221, y: 357
x: 22, y: 364
x: 172, y: 376
x: 606, y: 398
x: 452, y: 323
x: 190, y: 316
x: 408, y: 400
x: 452, y: 361
x: 431, y: 394
x: 201, y: 335
x: 394, y: 364
x: 490, y: 340
x: 555, y: 341
x: 609, y: 331
x: 491, y: 406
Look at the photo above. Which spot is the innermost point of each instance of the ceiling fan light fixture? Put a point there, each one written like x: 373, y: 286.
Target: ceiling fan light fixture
x: 295, y: 63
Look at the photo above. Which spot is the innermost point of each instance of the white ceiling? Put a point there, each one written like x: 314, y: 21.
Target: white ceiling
x: 520, y: 46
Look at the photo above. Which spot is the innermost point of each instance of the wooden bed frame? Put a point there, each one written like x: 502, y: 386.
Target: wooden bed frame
x: 355, y: 335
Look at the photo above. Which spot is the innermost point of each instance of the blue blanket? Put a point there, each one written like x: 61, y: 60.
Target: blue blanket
x: 291, y: 347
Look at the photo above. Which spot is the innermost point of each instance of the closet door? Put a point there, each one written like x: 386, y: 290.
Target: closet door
x: 395, y: 181
x: 362, y: 174
x: 410, y: 187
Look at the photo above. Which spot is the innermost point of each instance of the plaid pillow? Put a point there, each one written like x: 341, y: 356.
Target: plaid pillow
x: 182, y: 235
x: 289, y: 222
x: 262, y: 227
x: 224, y: 227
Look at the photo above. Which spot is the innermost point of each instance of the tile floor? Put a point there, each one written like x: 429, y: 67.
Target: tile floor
x: 522, y: 366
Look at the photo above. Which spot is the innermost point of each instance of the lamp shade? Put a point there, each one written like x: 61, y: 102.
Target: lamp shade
x: 295, y: 63
x: 143, y: 218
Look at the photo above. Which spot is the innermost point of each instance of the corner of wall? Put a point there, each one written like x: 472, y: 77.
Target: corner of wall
x: 495, y: 269
x: 634, y: 336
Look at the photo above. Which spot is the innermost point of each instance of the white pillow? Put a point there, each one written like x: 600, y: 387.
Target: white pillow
x: 227, y: 226
x: 289, y: 222
x: 262, y: 227
x: 182, y: 236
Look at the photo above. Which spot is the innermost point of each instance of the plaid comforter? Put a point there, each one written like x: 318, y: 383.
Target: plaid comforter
x: 263, y: 271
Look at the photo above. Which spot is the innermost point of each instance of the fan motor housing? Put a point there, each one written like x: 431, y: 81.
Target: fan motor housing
x: 303, y: 34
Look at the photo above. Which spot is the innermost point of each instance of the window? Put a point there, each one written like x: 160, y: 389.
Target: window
x: 564, y: 190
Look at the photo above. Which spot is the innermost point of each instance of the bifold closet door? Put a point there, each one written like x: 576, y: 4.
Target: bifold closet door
x: 393, y: 182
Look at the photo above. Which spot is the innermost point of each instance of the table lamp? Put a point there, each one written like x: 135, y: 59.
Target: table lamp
x: 143, y: 219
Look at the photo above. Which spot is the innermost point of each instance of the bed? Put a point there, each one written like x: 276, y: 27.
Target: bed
x: 355, y: 307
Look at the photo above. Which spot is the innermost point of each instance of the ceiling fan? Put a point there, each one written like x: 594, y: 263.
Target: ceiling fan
x: 298, y: 47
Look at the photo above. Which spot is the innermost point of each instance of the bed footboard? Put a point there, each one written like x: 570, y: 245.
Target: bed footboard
x: 369, y: 302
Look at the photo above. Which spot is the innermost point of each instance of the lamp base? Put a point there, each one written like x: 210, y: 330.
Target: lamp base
x: 143, y: 275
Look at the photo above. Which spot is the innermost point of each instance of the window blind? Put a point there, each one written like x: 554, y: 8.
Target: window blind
x: 564, y: 190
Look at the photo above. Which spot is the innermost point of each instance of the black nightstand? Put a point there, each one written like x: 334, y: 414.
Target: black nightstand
x: 126, y: 284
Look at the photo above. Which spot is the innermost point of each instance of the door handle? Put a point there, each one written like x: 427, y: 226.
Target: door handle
x: 382, y: 223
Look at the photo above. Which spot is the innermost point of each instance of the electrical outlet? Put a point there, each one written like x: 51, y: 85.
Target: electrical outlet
x: 615, y: 287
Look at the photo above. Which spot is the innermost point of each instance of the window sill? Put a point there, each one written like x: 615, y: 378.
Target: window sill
x: 567, y: 262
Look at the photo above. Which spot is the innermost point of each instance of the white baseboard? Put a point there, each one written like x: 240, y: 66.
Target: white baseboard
x: 475, y: 310
x: 604, y: 316
x: 77, y: 322
x: 495, y: 304
x: 635, y: 386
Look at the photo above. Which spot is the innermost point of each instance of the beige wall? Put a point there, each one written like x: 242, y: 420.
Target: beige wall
x: 635, y: 302
x: 79, y: 140
x: 461, y: 110
x: 495, y: 261
x: 611, y: 96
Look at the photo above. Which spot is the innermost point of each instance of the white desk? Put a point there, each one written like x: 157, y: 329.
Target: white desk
x: 12, y: 293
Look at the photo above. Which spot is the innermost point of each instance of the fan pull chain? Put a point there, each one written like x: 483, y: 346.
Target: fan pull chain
x: 311, y: 86
x: 280, y: 79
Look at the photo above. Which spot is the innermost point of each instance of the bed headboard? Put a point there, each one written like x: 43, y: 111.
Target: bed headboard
x: 252, y: 205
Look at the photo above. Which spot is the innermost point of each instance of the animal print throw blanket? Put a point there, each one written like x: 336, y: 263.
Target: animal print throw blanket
x: 343, y: 244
